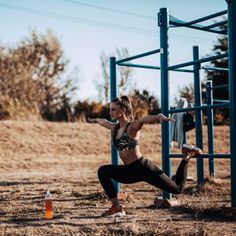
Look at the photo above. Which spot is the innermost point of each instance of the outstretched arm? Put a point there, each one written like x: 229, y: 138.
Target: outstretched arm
x: 103, y: 122
x: 150, y: 119
x: 162, y: 117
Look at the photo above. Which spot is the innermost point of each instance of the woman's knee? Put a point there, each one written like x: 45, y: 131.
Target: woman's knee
x: 103, y: 170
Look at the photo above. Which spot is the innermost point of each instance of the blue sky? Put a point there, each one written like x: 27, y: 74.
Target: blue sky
x: 86, y: 28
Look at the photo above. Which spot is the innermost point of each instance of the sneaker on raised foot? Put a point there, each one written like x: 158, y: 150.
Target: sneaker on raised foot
x: 114, y: 211
x: 191, y: 150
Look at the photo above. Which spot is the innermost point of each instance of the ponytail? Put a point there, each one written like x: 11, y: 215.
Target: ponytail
x: 125, y: 103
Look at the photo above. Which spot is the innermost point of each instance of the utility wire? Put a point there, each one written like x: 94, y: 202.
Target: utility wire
x: 109, y: 9
x: 132, y: 14
x: 95, y: 23
x: 79, y: 20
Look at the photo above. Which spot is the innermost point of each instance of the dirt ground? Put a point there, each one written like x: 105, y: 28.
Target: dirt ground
x: 64, y: 158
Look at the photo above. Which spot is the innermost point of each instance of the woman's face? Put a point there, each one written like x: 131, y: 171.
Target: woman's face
x: 115, y: 110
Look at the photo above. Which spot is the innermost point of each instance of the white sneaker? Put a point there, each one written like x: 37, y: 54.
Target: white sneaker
x: 114, y: 211
x: 188, y: 149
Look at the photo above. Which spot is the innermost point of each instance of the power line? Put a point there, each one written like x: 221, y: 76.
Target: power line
x: 132, y: 14
x: 79, y: 20
x: 95, y: 23
x: 109, y: 9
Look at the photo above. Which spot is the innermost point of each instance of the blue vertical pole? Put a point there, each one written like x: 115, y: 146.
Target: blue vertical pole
x: 163, y: 22
x: 210, y: 129
x: 185, y: 138
x: 232, y: 92
x: 198, y: 102
x: 113, y: 94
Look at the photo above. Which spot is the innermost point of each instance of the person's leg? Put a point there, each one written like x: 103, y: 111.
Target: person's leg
x: 123, y: 174
x: 181, y: 174
x: 189, y: 151
x: 156, y: 177
x: 120, y: 173
x: 106, y: 181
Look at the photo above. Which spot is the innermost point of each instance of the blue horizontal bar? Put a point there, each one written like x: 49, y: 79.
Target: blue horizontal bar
x: 183, y: 70
x: 220, y: 100
x: 139, y: 66
x: 220, y: 13
x: 139, y: 56
x: 215, y: 68
x: 220, y: 86
x: 199, y: 27
x: 205, y: 155
x: 195, y: 108
x: 192, y: 24
x: 216, y: 24
x: 151, y: 67
x: 206, y: 59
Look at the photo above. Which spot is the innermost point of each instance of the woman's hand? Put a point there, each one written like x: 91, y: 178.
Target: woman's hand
x: 161, y: 118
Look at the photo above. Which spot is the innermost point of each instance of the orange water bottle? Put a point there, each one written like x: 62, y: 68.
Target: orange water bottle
x: 48, y: 206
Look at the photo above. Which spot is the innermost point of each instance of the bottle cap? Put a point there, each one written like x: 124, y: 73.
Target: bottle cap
x: 48, y: 194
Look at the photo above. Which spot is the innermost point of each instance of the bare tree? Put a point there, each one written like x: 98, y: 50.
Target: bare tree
x: 31, y: 74
x: 105, y: 85
x: 186, y: 92
x: 125, y: 84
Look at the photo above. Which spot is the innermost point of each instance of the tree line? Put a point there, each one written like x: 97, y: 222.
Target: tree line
x: 34, y: 84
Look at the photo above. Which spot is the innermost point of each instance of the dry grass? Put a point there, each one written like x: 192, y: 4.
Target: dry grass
x: 64, y: 157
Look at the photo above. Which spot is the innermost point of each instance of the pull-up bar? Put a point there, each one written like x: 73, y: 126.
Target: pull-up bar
x: 138, y: 56
x: 151, y: 67
x: 217, y: 14
x: 198, y: 61
x: 192, y: 24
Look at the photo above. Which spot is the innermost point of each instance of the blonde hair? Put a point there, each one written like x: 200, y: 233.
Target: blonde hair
x: 125, y: 103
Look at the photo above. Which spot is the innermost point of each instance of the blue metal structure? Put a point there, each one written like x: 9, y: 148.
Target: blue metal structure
x: 197, y: 63
x: 210, y: 130
x: 165, y: 22
x: 113, y: 95
x: 232, y: 92
x: 198, y: 113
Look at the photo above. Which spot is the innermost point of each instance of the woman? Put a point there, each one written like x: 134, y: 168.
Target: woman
x: 136, y: 168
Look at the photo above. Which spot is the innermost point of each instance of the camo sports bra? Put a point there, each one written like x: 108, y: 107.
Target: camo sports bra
x: 125, y: 142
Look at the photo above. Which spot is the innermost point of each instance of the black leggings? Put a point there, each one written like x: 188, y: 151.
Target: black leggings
x: 141, y: 170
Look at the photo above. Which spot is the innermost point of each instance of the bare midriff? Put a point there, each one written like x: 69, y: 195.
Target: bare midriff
x: 130, y: 156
